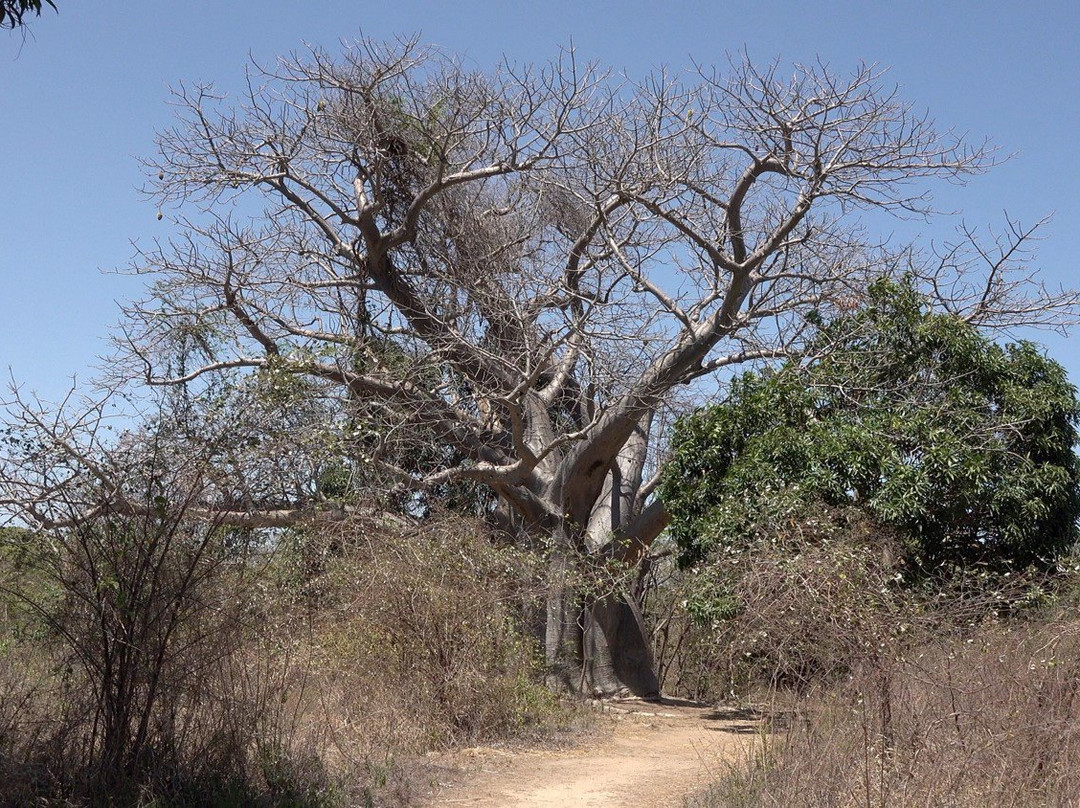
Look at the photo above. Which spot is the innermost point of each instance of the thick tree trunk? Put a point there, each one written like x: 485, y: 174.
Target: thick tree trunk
x: 596, y: 643
x: 562, y: 635
x: 596, y: 646
x: 616, y: 652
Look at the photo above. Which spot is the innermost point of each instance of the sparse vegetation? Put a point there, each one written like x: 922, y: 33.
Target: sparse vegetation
x: 285, y: 683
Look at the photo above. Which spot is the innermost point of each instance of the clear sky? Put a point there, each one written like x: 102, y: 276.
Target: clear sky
x: 82, y: 95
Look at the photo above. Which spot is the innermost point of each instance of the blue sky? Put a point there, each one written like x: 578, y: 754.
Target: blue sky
x: 82, y: 95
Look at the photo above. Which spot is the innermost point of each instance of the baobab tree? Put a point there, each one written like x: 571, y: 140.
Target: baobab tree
x: 502, y: 278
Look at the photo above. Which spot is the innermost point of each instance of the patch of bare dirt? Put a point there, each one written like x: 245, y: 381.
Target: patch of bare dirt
x: 656, y: 754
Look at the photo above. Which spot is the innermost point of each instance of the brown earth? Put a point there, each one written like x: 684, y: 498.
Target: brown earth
x: 655, y: 754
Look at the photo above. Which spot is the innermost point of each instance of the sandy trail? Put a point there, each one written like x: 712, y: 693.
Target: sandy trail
x: 655, y: 755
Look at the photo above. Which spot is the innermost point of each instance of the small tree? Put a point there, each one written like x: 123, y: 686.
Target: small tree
x: 961, y: 447
x: 142, y: 604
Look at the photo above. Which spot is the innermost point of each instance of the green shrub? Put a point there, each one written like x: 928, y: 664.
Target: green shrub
x: 960, y: 447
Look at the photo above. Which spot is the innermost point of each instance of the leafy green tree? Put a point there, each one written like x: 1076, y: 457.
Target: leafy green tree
x: 960, y: 446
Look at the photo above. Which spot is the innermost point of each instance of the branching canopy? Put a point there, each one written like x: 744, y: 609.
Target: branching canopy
x: 502, y: 280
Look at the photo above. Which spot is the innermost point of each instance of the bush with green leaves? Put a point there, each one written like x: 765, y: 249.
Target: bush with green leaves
x: 960, y: 446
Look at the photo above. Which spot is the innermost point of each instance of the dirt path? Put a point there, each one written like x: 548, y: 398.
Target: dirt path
x: 655, y: 755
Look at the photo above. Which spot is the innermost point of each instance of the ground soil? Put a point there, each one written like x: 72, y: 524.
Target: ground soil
x: 644, y: 754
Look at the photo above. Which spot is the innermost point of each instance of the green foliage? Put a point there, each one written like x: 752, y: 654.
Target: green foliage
x: 962, y: 447
x: 27, y: 591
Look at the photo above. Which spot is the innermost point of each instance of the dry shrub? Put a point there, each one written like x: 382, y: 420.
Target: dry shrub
x: 886, y: 688
x: 988, y: 719
x: 133, y: 670
x: 315, y: 677
x: 686, y: 652
x: 417, y: 642
x: 411, y: 634
x: 789, y: 613
x: 821, y: 598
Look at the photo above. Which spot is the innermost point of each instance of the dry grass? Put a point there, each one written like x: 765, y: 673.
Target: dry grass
x: 887, y: 691
x: 992, y: 718
x: 416, y: 644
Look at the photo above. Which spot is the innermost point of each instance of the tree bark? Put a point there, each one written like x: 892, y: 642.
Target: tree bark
x: 616, y: 650
x: 562, y: 634
x: 596, y: 643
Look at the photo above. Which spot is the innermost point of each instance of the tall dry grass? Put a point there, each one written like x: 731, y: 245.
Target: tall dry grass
x: 886, y: 688
x: 416, y: 643
x: 992, y: 719
x: 964, y: 691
